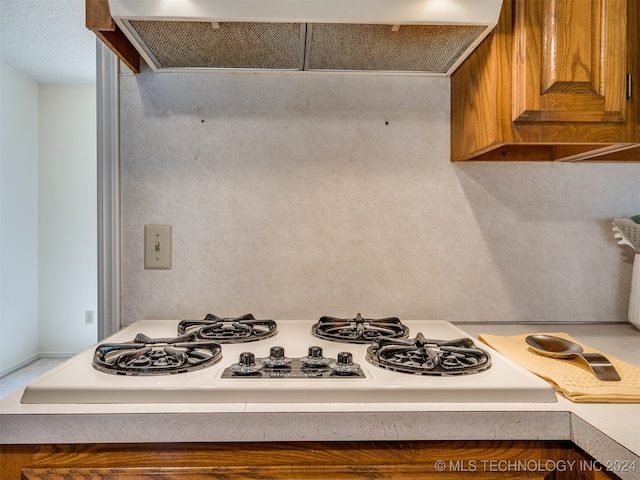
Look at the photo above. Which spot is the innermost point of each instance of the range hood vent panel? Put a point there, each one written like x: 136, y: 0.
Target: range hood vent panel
x: 230, y: 45
x: 393, y: 36
x: 411, y: 48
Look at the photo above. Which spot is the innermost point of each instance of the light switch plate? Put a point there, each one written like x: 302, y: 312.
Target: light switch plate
x: 157, y: 247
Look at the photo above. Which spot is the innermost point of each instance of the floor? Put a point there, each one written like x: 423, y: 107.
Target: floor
x: 21, y: 377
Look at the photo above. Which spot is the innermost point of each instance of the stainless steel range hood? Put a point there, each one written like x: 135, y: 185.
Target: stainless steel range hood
x: 428, y: 37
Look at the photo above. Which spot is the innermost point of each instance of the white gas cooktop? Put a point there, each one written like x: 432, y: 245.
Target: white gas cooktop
x: 78, y: 382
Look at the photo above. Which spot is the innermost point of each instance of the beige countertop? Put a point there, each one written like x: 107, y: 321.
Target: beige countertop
x: 608, y: 432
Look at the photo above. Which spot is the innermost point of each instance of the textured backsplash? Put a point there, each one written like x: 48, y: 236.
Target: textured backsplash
x: 293, y: 196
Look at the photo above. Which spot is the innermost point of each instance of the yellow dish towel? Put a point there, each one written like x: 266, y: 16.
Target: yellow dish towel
x: 571, y: 377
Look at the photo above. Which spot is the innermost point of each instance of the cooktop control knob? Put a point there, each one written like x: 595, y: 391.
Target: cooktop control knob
x: 247, y: 358
x: 345, y: 358
x: 315, y: 359
x: 276, y: 358
x: 344, y: 364
x: 315, y: 351
x: 247, y: 364
x: 277, y: 352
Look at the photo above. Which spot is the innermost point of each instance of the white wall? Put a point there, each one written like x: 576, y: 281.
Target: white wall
x: 48, y: 244
x: 18, y: 218
x: 296, y: 196
x: 68, y: 235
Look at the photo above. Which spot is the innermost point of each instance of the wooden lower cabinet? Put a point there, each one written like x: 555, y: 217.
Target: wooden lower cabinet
x: 441, y: 460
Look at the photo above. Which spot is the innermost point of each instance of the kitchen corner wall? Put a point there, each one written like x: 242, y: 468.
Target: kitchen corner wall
x: 293, y: 196
x: 19, y: 118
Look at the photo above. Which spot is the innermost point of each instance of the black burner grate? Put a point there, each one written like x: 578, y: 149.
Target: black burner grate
x: 428, y: 357
x: 358, y: 330
x: 156, y: 356
x: 229, y: 330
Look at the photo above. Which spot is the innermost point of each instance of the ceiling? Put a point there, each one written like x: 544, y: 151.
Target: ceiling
x: 47, y: 40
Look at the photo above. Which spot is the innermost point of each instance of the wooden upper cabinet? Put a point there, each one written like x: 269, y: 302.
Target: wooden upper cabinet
x: 551, y: 83
x: 570, y: 61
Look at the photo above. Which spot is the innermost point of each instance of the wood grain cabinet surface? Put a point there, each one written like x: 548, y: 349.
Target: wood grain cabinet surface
x: 556, y: 80
x: 441, y: 460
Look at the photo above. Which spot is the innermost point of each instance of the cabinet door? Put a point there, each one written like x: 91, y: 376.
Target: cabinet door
x: 570, y: 60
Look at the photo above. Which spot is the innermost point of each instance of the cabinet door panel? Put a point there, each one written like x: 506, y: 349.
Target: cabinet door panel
x: 570, y: 61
